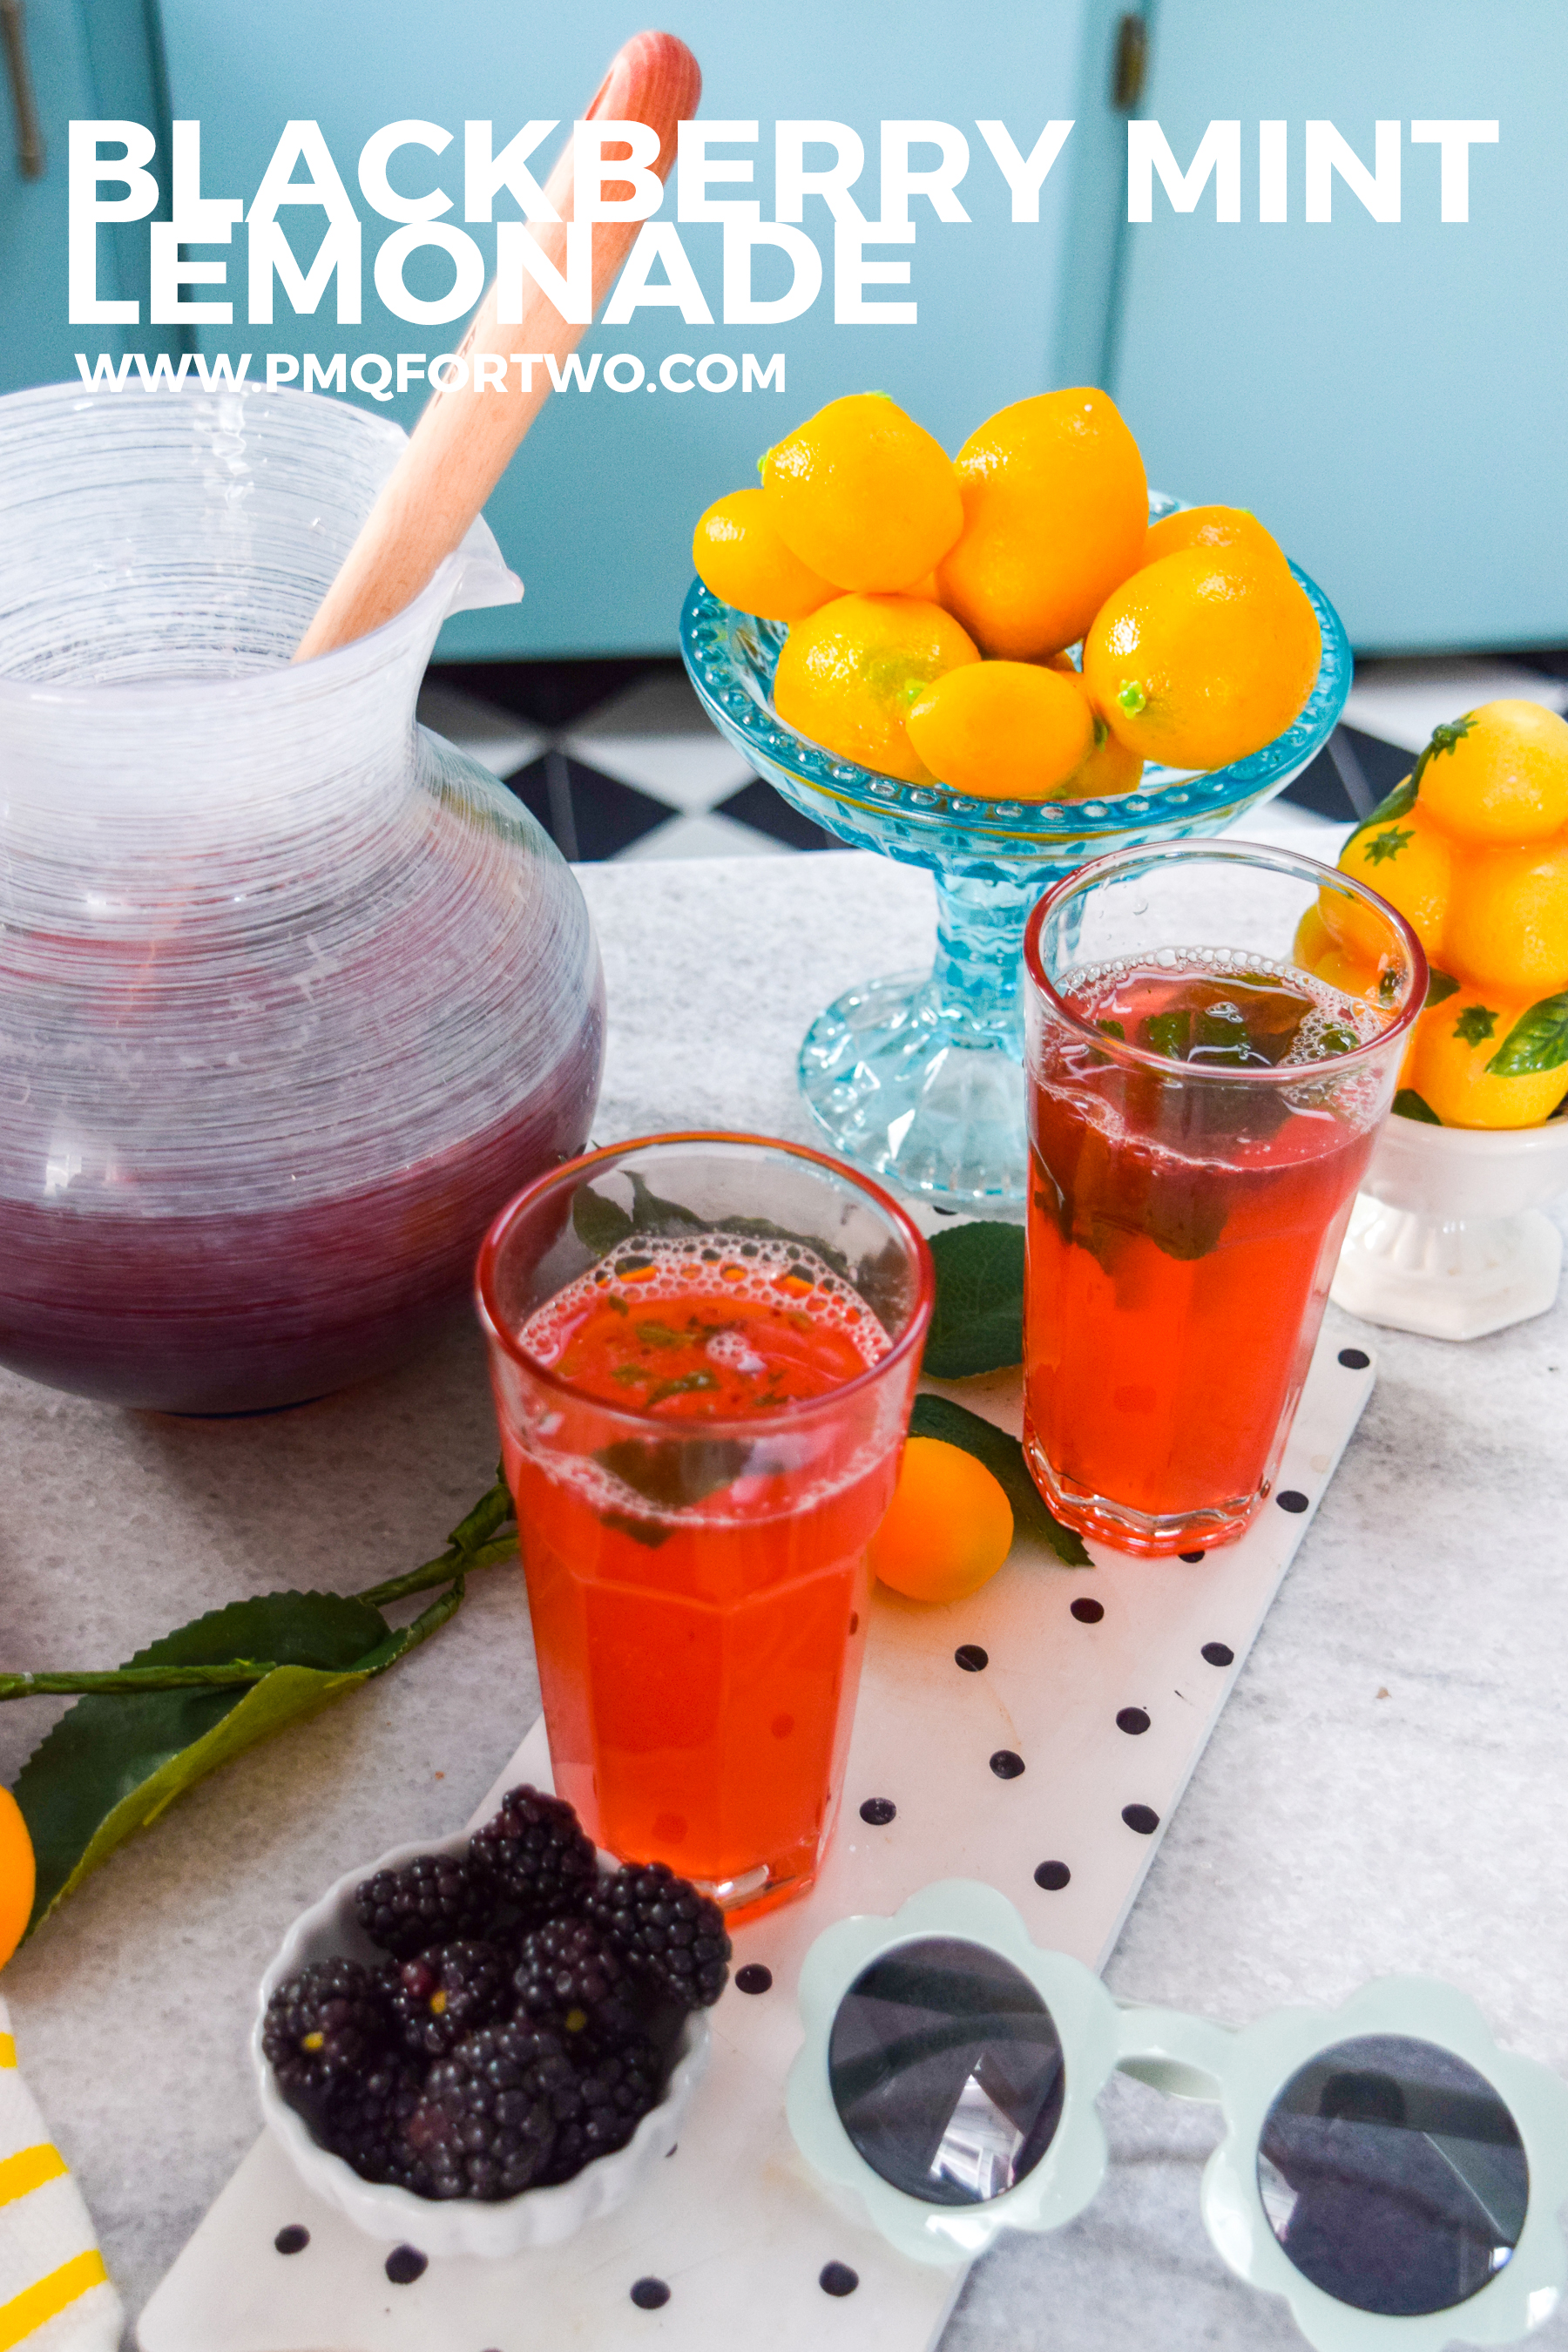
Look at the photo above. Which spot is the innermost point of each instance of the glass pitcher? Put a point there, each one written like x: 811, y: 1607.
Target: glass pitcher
x: 293, y: 996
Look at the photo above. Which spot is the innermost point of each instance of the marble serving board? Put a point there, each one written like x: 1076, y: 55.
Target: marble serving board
x: 1038, y: 1736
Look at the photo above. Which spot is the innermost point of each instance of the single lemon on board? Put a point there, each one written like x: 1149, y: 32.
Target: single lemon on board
x: 1210, y: 527
x: 17, y: 1875
x: 863, y: 494
x: 1454, y: 1042
x: 738, y: 554
x: 851, y: 672
x: 1407, y: 861
x: 1507, y: 924
x: 1498, y: 775
x: 1203, y: 657
x: 1056, y: 508
x: 1007, y: 731
x: 949, y: 1526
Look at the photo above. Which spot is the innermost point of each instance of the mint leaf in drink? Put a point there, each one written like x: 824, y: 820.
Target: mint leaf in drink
x: 1167, y: 1033
x: 1408, y: 1104
x: 1004, y: 1457
x: 674, y: 1473
x: 977, y: 1324
x: 1538, y: 1041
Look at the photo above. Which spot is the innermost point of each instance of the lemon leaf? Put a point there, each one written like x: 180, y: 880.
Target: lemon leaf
x: 1398, y: 802
x: 1408, y: 1104
x: 955, y: 1424
x: 1440, y: 986
x: 977, y: 1323
x: 1538, y: 1041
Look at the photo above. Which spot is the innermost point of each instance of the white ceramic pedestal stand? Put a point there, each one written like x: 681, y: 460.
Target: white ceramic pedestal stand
x: 1446, y: 1237
x: 1056, y: 1737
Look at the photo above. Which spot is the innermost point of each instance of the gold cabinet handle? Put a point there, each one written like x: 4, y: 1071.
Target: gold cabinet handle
x: 29, y: 131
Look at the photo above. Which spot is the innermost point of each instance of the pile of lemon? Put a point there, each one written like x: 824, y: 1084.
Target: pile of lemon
x: 1472, y: 849
x: 931, y: 601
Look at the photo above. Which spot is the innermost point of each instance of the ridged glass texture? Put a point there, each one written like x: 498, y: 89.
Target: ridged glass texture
x: 917, y: 1078
x: 293, y: 996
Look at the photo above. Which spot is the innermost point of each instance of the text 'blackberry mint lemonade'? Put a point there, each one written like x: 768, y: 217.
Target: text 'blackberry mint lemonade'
x: 704, y: 1350
x: 1201, y: 1111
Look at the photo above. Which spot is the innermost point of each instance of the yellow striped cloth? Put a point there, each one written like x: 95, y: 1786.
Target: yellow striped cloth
x: 55, y: 2295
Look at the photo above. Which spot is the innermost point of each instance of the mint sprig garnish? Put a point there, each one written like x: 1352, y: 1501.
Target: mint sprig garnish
x: 142, y: 1734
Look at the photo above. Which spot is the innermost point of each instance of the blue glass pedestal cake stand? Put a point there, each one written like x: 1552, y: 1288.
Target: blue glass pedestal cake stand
x: 917, y: 1078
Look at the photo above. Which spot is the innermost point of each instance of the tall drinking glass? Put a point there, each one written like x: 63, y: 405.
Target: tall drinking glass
x: 704, y: 1350
x: 1201, y: 1111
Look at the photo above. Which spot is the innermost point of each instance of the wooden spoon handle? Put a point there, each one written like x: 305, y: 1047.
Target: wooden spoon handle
x: 463, y: 441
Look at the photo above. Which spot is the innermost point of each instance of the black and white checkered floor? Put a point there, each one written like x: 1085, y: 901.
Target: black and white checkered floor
x: 616, y: 759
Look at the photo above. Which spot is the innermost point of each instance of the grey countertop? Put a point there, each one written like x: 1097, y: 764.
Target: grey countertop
x: 1384, y: 1792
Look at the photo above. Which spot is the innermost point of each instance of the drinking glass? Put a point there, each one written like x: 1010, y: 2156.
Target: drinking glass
x: 1185, y: 1214
x: 698, y: 1583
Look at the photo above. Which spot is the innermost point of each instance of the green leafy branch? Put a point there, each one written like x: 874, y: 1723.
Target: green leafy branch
x: 142, y: 1734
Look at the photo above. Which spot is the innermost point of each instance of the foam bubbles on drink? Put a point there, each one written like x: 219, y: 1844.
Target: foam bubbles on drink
x: 1091, y: 991
x: 776, y: 1274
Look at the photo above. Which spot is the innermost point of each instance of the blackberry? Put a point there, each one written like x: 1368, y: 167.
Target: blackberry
x: 487, y: 2121
x: 447, y: 1992
x: 436, y: 1898
x: 321, y: 2027
x: 367, y: 2118
x: 537, y: 1856
x: 569, y: 1981
x: 665, y: 1931
x: 616, y: 2089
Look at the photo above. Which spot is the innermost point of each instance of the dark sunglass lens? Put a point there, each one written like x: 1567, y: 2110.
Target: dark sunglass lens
x: 946, y: 2070
x: 1393, y: 2176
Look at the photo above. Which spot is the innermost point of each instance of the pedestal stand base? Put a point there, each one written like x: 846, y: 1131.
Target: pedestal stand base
x: 905, y: 1086
x: 1447, y: 1277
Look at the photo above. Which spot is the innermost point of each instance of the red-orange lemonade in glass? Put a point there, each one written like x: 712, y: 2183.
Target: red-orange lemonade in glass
x: 1200, y: 1117
x: 701, y: 1426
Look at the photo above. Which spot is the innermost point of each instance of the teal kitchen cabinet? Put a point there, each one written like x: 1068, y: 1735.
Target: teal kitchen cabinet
x: 597, y: 510
x: 90, y: 59
x: 1387, y: 396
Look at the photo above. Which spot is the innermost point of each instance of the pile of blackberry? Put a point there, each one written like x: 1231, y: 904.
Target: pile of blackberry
x: 524, y: 2020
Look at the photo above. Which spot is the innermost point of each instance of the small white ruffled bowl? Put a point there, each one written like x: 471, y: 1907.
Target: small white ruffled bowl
x: 1446, y: 1237
x: 459, y: 2225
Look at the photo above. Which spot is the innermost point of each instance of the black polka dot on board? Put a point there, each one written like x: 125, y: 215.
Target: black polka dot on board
x: 1290, y: 1498
x: 1142, y: 1818
x: 1007, y: 1764
x: 1192, y: 1557
x: 973, y: 1658
x: 837, y: 2278
x: 879, y: 1811
x: 1052, y: 1876
x: 754, y: 1978
x: 1088, y: 1613
x: 404, y: 2265
x: 1219, y: 1654
x: 293, y: 2240
x: 1132, y: 1719
x: 650, y: 2294
x: 1354, y: 1360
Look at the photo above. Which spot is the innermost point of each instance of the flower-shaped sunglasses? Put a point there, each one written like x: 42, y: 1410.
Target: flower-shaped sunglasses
x: 1387, y: 2167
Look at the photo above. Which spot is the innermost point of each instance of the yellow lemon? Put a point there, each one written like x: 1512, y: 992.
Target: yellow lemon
x: 851, y: 671
x: 1498, y: 774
